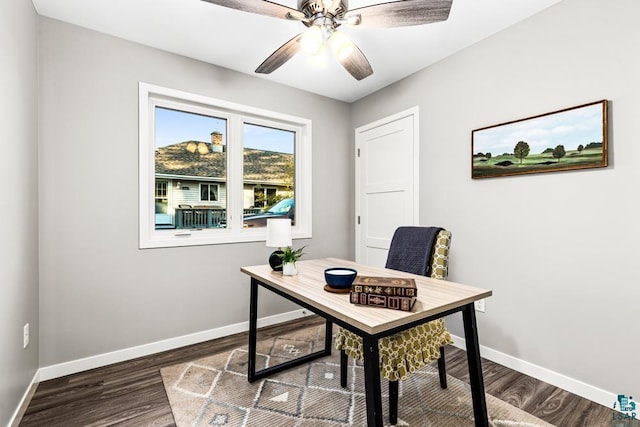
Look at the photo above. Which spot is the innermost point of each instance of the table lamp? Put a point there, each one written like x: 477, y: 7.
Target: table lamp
x: 278, y: 236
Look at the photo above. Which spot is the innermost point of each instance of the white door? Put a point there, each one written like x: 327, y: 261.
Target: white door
x: 386, y: 183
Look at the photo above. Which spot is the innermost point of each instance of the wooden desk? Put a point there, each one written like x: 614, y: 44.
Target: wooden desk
x: 436, y: 298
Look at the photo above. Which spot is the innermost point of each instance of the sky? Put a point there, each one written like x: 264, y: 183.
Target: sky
x: 176, y: 126
x: 569, y: 128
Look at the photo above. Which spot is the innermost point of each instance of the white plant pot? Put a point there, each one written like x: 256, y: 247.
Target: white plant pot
x: 289, y: 269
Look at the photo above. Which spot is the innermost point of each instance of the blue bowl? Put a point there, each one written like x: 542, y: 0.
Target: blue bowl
x: 340, y: 277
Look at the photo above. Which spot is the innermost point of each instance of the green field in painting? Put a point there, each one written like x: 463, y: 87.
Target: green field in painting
x: 545, y: 162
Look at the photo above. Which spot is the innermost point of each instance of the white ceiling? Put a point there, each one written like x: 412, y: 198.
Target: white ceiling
x: 241, y: 41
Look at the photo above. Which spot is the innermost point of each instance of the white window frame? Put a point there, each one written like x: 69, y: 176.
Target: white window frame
x: 151, y: 96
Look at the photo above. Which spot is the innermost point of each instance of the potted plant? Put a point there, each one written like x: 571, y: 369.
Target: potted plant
x: 289, y: 257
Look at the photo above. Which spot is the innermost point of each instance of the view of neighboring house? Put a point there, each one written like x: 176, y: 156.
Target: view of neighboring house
x: 193, y: 175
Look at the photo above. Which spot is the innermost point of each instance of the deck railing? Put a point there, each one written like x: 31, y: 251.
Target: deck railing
x: 205, y: 217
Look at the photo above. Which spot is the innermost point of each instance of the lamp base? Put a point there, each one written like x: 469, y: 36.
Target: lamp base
x: 275, y: 261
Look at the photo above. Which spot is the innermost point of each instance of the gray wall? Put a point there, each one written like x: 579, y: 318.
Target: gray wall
x: 19, y: 201
x: 98, y: 291
x: 558, y: 250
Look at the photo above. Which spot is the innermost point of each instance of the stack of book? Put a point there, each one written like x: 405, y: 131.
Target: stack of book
x: 386, y: 292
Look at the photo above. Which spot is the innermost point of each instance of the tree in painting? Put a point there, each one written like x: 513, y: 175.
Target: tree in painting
x: 521, y: 150
x: 559, y: 152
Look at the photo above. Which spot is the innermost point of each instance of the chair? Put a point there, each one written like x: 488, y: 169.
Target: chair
x: 417, y: 250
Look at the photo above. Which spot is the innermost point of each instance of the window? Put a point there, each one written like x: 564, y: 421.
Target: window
x: 214, y: 172
x: 208, y: 192
x: 161, y: 197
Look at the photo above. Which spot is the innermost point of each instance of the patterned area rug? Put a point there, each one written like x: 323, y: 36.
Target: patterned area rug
x: 214, y: 391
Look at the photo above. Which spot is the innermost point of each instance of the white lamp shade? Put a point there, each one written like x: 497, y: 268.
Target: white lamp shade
x: 278, y: 232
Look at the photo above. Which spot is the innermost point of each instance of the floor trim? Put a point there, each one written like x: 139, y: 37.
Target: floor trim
x: 564, y: 382
x: 80, y: 365
x: 572, y: 385
x: 15, y: 419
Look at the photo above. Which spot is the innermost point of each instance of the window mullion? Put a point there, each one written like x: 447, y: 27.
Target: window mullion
x: 235, y: 178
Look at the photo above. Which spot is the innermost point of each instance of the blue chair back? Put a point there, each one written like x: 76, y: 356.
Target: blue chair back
x: 411, y: 249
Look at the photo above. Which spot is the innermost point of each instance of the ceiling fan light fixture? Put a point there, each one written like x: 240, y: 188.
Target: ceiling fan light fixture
x: 341, y: 45
x: 312, y: 40
x: 323, y: 17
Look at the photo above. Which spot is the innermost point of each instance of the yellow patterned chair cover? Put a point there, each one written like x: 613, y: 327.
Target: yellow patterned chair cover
x: 408, y: 351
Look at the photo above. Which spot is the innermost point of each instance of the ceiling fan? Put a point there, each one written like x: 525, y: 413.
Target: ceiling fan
x: 323, y: 17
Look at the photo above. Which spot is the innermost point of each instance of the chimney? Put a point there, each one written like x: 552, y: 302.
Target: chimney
x: 216, y: 142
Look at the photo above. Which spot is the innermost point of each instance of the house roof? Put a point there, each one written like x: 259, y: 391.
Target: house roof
x: 197, y: 159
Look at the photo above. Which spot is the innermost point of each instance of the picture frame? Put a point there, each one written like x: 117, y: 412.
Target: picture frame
x: 563, y: 140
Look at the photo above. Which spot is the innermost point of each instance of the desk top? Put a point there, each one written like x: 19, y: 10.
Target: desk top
x: 434, y: 296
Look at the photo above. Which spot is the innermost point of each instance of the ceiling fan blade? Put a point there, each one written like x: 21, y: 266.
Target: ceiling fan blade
x: 334, y: 6
x: 400, y: 13
x: 280, y: 56
x: 261, y: 7
x: 357, y: 64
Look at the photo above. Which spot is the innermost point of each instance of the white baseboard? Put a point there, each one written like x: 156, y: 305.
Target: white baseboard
x: 574, y: 386
x: 79, y: 365
x: 15, y: 419
x: 564, y: 382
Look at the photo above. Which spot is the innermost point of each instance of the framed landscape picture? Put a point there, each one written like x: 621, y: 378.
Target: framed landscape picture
x: 573, y: 138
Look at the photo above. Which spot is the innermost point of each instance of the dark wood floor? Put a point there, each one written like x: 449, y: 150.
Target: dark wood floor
x: 132, y: 394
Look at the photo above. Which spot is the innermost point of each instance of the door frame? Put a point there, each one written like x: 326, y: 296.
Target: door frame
x: 415, y: 113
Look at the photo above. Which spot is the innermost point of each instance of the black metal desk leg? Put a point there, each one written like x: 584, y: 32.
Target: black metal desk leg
x: 254, y: 374
x: 475, y: 366
x: 328, y: 337
x: 253, y: 330
x: 344, y: 360
x: 393, y: 402
x: 373, y: 394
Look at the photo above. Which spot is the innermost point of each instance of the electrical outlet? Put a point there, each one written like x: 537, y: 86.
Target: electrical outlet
x: 479, y: 305
x: 25, y: 335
